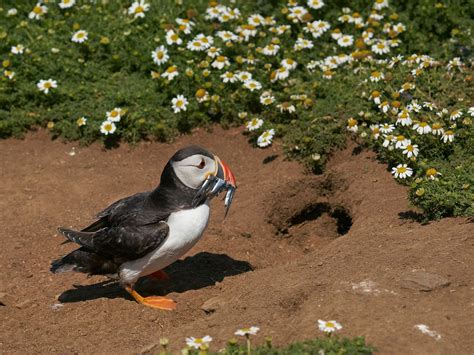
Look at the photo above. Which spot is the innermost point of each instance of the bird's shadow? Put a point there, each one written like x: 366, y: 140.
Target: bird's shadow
x: 194, y: 272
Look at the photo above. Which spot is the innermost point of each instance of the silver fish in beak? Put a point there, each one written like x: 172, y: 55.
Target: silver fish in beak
x: 222, y: 180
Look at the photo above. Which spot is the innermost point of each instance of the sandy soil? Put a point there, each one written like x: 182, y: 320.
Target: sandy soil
x: 295, y: 248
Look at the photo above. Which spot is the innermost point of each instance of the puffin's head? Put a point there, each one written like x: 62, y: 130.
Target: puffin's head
x: 193, y: 165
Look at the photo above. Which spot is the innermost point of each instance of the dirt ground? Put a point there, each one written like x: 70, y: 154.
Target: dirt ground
x: 295, y: 248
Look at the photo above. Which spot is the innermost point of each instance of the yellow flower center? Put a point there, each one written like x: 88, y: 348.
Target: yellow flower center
x: 401, y: 170
x: 139, y: 10
x: 197, y: 44
x: 380, y: 46
x: 160, y: 55
x: 423, y: 124
x: 114, y: 113
x: 330, y: 325
x: 431, y: 172
x: 400, y: 138
x: 221, y: 59
x: 436, y: 125
x: 47, y: 85
x: 171, y: 69
x: 38, y: 10
x: 80, y: 35
x: 449, y: 133
x: 174, y: 37
x: 409, y: 148
x: 179, y: 103
x: 108, y: 127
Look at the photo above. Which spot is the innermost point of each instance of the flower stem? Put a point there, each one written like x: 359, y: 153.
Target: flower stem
x: 248, y: 344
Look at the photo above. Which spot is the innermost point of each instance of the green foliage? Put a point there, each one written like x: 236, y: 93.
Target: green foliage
x: 328, y: 345
x: 310, y: 108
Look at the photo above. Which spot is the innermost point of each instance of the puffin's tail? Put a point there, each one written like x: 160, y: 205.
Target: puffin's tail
x: 82, y: 260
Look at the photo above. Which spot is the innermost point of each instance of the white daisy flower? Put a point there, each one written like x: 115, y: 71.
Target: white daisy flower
x: 220, y: 63
x: 18, y: 49
x: 115, y: 115
x: 289, y: 63
x: 254, y: 124
x: 180, y: 103
x: 375, y: 129
x: 271, y: 49
x: 402, y: 171
x: 243, y: 76
x: 266, y: 99
x: 448, y: 136
x: 380, y: 4
x: 455, y: 115
x: 9, y: 74
x: 298, y: 12
x: 252, y: 330
x: 81, y: 121
x: 411, y: 150
x: 46, y: 85
x: 286, y: 106
x: 213, y: 52
x: 328, y: 326
x: 422, y: 127
x: 138, y: 9
x: 387, y: 128
x: 302, y: 43
x: 401, y: 142
x: 229, y: 77
x: 66, y: 4
x: 227, y: 36
x: 170, y: 73
x: 384, y: 106
x: 264, y: 140
x: 352, y: 125
x: 107, y: 127
x: 281, y: 74
x: 252, y: 85
x: 197, y: 343
x: 185, y: 25
x: 315, y: 4
x: 12, y: 12
x: 345, y: 41
x: 160, y: 55
x: 376, y: 76
x: 388, y: 140
x: 255, y: 20
x: 38, y: 11
x: 404, y: 118
x: 437, y: 129
x: 206, y: 41
x: 79, y: 36
x: 470, y: 111
x: 196, y: 45
x: 381, y: 47
x: 173, y: 38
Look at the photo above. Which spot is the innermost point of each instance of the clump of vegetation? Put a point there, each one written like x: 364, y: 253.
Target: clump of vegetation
x: 303, y: 71
x: 330, y: 344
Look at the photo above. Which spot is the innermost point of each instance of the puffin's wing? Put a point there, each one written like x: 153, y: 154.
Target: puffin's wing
x: 116, y: 212
x: 130, y: 242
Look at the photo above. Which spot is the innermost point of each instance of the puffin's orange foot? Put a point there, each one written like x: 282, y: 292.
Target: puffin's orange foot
x: 159, y: 275
x: 156, y: 302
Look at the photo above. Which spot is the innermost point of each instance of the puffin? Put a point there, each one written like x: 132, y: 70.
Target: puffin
x: 142, y: 234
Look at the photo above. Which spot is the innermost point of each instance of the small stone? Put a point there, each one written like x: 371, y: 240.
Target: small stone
x: 423, y: 281
x: 5, y: 299
x: 149, y: 349
x: 212, y: 304
x: 23, y: 304
x: 246, y: 235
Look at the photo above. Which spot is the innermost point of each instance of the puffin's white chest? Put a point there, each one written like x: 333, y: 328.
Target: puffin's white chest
x: 186, y: 228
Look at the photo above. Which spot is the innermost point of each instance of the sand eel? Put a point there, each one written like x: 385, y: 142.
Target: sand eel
x: 142, y: 234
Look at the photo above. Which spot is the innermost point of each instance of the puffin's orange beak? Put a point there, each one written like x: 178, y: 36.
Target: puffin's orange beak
x: 224, y: 172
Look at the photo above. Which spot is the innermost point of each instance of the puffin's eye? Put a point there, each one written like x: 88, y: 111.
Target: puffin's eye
x: 202, y: 164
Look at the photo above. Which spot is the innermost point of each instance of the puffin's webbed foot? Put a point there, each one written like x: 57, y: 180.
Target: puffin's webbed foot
x: 156, y: 302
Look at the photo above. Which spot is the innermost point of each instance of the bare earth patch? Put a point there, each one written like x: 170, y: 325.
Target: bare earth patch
x: 294, y: 248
